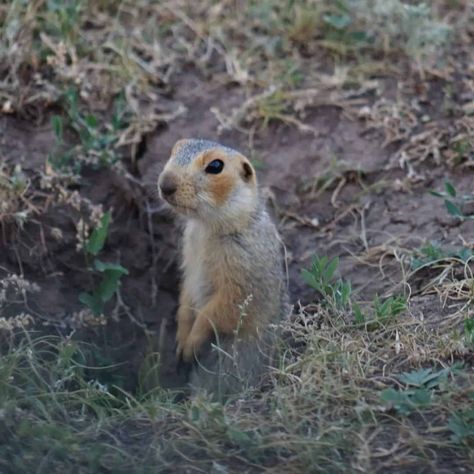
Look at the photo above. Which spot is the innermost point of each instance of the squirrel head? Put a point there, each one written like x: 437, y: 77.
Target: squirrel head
x: 209, y: 181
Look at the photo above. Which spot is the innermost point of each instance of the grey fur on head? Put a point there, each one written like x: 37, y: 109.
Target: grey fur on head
x: 190, y: 148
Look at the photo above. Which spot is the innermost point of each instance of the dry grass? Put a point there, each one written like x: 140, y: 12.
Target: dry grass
x: 322, y: 409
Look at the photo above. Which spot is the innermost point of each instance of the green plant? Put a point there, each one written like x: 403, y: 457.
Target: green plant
x: 339, y: 22
x: 110, y: 273
x: 96, y: 241
x: 14, y: 185
x: 380, y: 312
x: 461, y: 424
x: 97, y: 139
x: 335, y: 291
x: 461, y: 149
x: 469, y: 330
x: 418, y: 393
x: 407, y: 401
x: 337, y: 294
x: 454, y: 202
x: 432, y: 253
x: 61, y: 18
x: 390, y: 308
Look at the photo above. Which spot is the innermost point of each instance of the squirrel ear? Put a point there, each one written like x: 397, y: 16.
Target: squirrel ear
x: 247, y: 171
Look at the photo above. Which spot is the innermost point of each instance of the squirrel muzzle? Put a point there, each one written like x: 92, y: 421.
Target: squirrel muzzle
x: 167, y: 184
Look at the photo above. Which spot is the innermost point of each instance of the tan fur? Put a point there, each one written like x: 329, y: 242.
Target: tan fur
x: 232, y: 262
x: 221, y: 187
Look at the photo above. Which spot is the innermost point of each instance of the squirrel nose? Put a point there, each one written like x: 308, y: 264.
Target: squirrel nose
x: 167, y: 184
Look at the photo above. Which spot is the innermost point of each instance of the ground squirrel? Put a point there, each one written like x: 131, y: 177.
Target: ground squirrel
x: 232, y: 261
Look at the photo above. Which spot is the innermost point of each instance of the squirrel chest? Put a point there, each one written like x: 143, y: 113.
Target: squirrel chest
x: 201, y: 255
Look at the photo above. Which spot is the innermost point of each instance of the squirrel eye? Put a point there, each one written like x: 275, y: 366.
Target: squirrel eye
x: 214, y: 167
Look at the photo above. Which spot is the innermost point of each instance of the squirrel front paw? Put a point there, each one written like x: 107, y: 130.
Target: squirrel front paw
x: 184, y: 351
x: 187, y: 352
x: 188, y: 343
x: 181, y: 337
x: 189, y: 349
